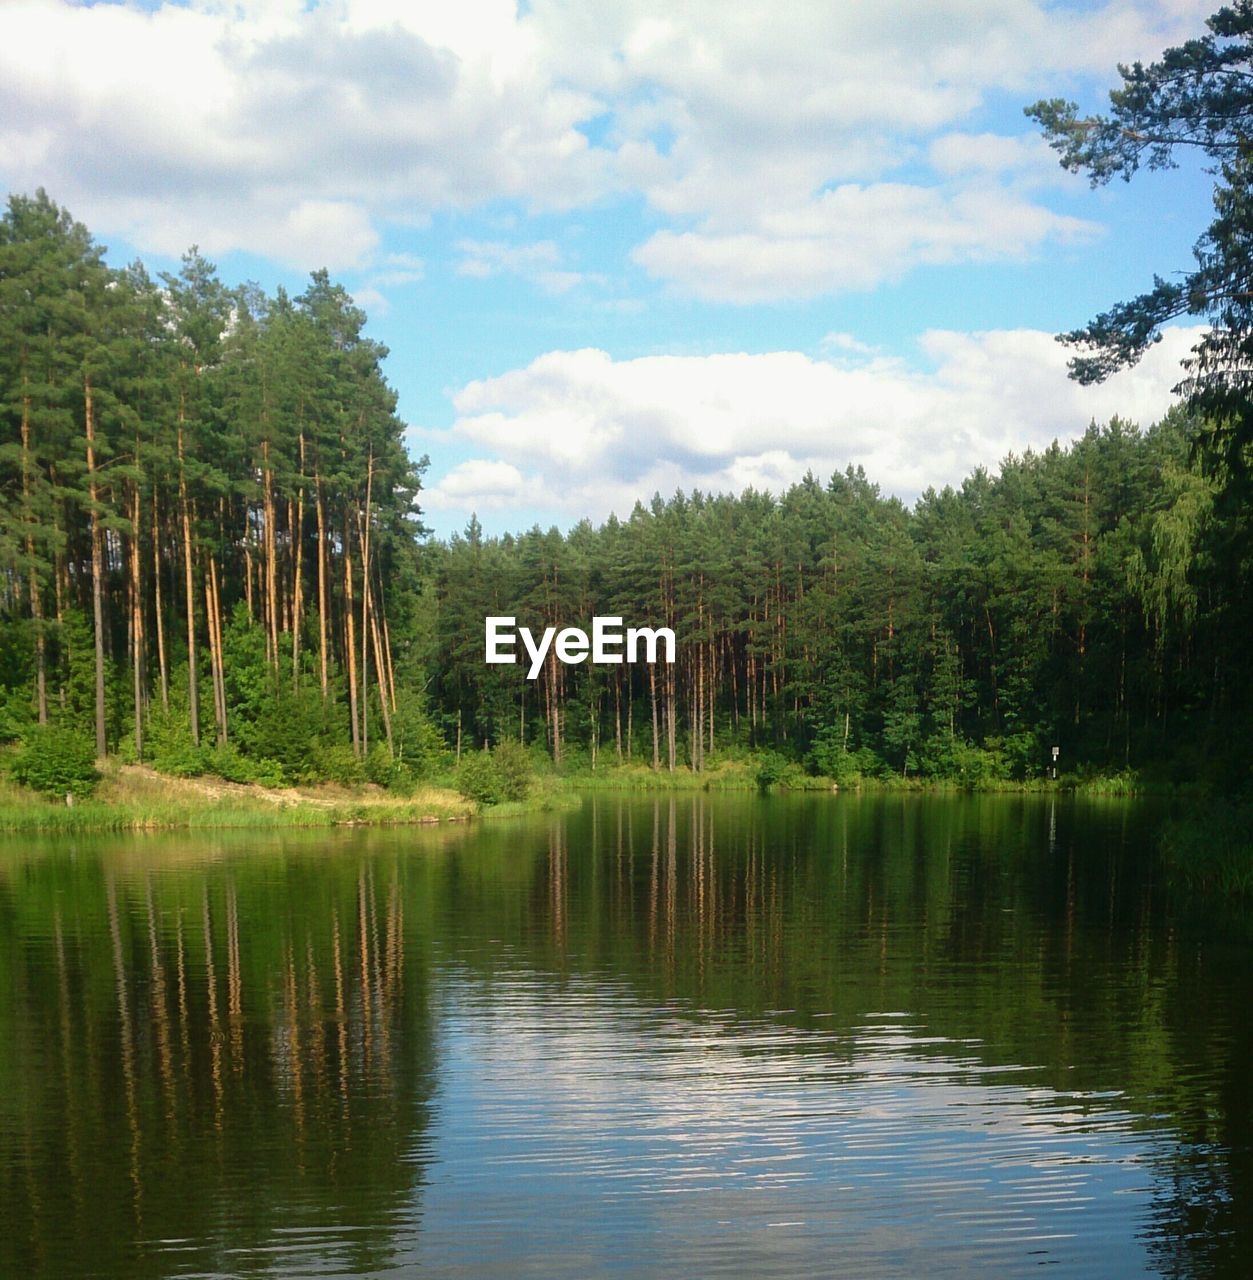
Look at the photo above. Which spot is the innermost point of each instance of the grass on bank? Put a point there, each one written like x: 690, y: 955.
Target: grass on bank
x: 768, y: 771
x: 136, y: 798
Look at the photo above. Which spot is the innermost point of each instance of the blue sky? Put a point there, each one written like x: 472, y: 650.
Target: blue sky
x: 618, y: 246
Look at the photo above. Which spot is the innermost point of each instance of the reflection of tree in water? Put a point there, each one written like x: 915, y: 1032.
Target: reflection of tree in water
x: 229, y: 1069
x: 225, y: 1070
x: 1015, y: 934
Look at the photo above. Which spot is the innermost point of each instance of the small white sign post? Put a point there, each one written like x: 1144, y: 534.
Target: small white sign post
x: 1056, y: 752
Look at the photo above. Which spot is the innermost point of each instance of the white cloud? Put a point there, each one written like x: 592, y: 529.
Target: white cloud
x: 778, y: 137
x: 1027, y: 157
x: 282, y: 128
x: 371, y: 300
x: 853, y: 238
x: 593, y: 434
x: 539, y: 262
x: 846, y: 343
x: 399, y: 269
x: 395, y: 271
x: 480, y: 485
x: 763, y: 136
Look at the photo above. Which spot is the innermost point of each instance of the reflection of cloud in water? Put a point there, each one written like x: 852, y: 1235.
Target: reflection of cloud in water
x: 754, y: 1148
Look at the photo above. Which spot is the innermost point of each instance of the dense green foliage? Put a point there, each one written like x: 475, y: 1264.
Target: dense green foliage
x: 208, y: 553
x: 1083, y: 598
x: 58, y: 762
x: 490, y: 777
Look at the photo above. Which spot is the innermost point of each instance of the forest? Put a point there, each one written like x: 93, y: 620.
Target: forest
x: 212, y: 559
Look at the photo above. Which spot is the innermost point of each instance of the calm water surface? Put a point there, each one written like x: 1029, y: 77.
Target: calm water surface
x: 885, y: 1036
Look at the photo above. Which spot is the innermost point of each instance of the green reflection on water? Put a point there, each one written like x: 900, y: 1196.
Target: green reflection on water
x: 224, y: 1054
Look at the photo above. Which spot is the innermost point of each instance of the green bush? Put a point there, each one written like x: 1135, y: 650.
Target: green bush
x: 514, y: 770
x: 17, y: 714
x: 956, y: 760
x: 227, y: 762
x: 337, y: 762
x: 846, y: 768
x: 776, y: 770
x: 477, y: 778
x: 385, y: 770
x: 57, y: 762
x: 419, y: 743
x: 1019, y: 755
x: 285, y: 731
x: 168, y: 747
x: 1024, y: 757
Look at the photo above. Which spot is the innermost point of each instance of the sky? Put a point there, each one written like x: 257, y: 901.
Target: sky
x: 619, y: 247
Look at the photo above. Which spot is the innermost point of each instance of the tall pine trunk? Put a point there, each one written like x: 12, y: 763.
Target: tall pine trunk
x: 652, y: 697
x: 364, y: 526
x: 381, y: 671
x: 159, y: 613
x: 387, y: 653
x: 212, y: 622
x: 36, y: 603
x: 298, y: 538
x: 271, y: 583
x: 322, y: 583
x: 97, y: 567
x: 217, y: 632
x: 350, y: 640
x: 137, y: 623
x: 193, y: 692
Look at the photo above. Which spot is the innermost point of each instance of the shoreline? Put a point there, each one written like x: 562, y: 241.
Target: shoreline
x: 136, y: 798
x: 1208, y: 843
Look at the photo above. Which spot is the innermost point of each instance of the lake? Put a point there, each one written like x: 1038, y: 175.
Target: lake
x: 769, y: 1036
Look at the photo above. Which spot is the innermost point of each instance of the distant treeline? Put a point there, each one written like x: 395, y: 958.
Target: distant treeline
x: 211, y: 558
x: 1093, y: 597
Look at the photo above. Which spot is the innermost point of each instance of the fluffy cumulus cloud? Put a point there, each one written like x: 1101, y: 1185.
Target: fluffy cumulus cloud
x: 854, y: 238
x: 785, y: 150
x: 578, y: 433
x: 281, y: 127
x: 808, y: 149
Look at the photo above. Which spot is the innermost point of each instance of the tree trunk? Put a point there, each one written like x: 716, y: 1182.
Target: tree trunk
x: 271, y: 582
x: 59, y: 585
x: 156, y: 583
x: 322, y: 583
x: 297, y: 573
x: 36, y: 604
x: 670, y: 725
x: 213, y: 621
x: 652, y: 696
x: 137, y: 624
x: 97, y: 570
x: 193, y: 692
x: 387, y: 653
x: 248, y: 561
x: 381, y: 672
x: 351, y: 640
x: 699, y: 762
x: 364, y: 526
